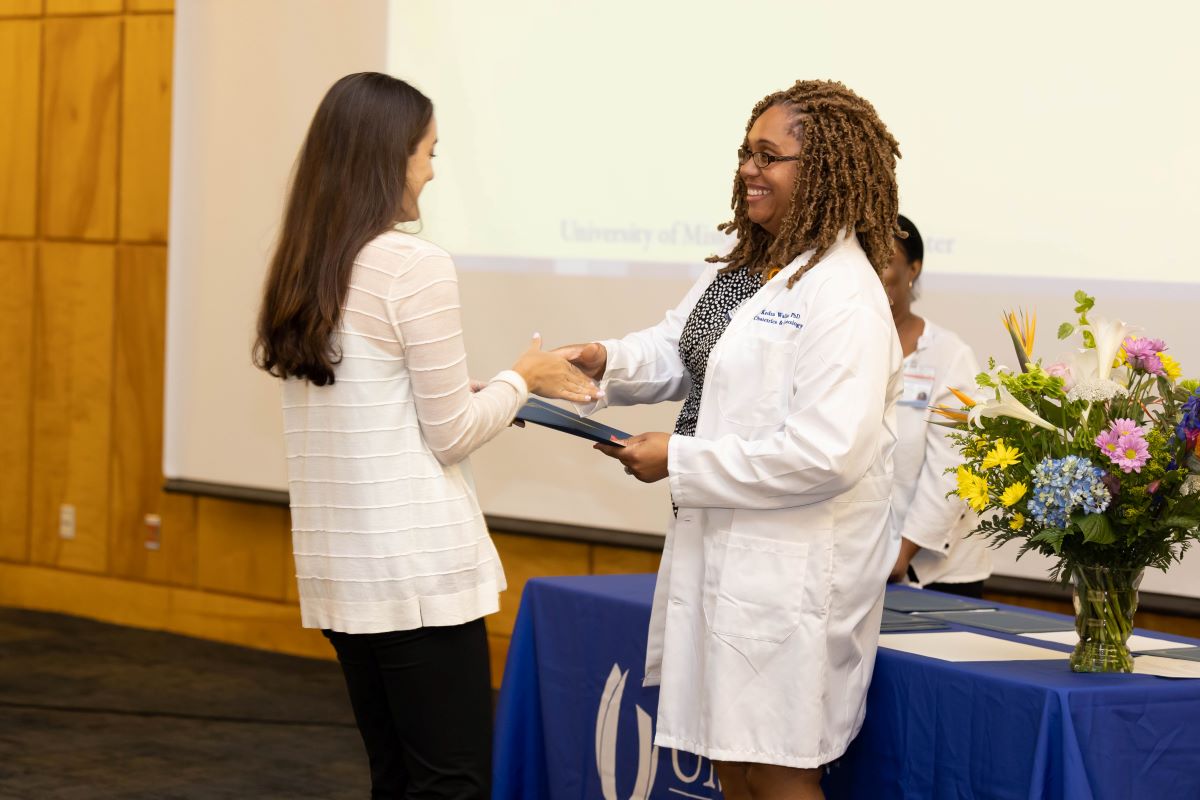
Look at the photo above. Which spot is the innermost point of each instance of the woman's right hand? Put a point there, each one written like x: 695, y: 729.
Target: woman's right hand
x: 552, y: 375
x: 591, y: 358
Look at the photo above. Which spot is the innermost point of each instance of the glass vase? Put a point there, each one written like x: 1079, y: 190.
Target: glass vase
x: 1105, y: 600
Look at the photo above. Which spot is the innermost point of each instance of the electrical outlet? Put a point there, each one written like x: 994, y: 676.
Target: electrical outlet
x: 152, y: 524
x: 66, y: 521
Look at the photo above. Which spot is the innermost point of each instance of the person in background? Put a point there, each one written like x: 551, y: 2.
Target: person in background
x: 362, y: 323
x: 770, y: 592
x: 935, y: 549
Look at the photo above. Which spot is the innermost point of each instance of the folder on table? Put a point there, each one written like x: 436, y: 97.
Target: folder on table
x: 1005, y: 621
x: 1187, y: 653
x: 908, y: 600
x: 539, y: 412
x: 895, y: 622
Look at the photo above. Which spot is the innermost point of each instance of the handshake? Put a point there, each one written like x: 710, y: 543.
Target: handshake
x: 571, y: 373
x: 565, y: 373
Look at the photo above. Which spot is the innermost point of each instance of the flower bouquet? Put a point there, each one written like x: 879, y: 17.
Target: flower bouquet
x: 1093, y: 461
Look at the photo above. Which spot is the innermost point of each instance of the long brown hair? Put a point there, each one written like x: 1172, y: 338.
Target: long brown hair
x: 347, y: 188
x: 846, y: 180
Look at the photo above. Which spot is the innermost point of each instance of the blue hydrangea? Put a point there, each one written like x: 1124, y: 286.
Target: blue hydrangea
x: 1191, y: 416
x: 1064, y: 485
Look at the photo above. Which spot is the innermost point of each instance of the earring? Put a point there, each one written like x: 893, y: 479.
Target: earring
x: 910, y: 284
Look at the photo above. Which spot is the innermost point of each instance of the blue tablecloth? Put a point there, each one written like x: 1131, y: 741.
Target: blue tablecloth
x: 575, y: 722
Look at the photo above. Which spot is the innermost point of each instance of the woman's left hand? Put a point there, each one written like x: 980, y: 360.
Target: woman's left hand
x: 644, y: 455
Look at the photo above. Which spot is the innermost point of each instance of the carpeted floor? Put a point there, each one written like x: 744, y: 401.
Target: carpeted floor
x: 89, y: 710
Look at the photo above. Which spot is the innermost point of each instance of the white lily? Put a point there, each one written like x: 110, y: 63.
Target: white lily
x: 1006, y: 406
x: 1109, y: 336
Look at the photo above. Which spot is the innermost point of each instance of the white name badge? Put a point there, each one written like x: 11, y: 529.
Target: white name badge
x: 918, y: 387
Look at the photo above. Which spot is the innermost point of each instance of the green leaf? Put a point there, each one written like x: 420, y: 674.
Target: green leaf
x: 1096, y: 528
x: 1051, y: 536
x: 1065, y: 330
x: 1184, y: 521
x: 1084, y: 300
x: 1088, y: 339
x: 984, y: 379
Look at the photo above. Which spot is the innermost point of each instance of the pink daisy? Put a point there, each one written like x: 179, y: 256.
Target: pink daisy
x: 1143, y: 354
x: 1151, y: 364
x: 1132, y: 453
x: 1140, y: 348
x: 1123, y: 427
x: 1107, y: 442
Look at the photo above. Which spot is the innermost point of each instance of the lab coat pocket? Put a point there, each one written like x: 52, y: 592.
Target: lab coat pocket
x: 753, y: 587
x: 756, y: 380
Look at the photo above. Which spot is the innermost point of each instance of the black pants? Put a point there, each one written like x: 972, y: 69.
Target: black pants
x: 423, y: 703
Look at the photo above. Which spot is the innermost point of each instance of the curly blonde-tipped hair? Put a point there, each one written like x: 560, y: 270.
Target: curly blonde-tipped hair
x: 846, y: 180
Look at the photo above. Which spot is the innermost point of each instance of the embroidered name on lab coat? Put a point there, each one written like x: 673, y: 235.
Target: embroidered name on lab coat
x: 789, y: 318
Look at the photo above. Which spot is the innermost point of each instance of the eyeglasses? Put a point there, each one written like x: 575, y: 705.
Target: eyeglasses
x: 761, y: 160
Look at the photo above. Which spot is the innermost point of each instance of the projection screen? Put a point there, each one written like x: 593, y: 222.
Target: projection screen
x: 586, y: 154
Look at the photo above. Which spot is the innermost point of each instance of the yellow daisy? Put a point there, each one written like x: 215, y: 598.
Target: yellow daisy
x: 973, y: 489
x: 1171, y: 367
x: 1001, y: 456
x: 1013, y: 493
x: 1017, y: 522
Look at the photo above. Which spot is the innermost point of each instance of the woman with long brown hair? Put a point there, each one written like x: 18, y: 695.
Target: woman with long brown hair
x: 393, y: 560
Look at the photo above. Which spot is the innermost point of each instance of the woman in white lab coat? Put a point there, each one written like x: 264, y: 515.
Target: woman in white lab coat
x: 767, y: 607
x: 935, y: 549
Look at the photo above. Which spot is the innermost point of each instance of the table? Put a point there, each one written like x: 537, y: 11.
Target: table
x: 574, y: 721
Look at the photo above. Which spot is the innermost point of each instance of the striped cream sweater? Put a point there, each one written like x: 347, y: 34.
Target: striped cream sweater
x: 386, y: 529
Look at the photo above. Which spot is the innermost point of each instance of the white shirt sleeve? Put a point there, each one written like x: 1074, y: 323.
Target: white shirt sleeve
x: 425, y: 313
x: 645, y: 367
x: 932, y: 516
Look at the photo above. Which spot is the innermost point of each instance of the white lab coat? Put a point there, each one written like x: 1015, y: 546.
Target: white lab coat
x: 769, y: 597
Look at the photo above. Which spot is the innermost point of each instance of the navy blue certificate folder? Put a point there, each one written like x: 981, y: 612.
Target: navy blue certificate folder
x: 1186, y: 653
x: 895, y: 622
x: 909, y: 600
x: 1005, y: 621
x: 539, y: 412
